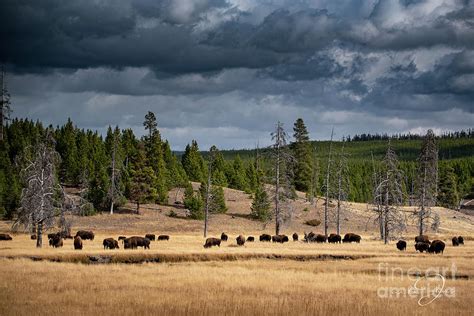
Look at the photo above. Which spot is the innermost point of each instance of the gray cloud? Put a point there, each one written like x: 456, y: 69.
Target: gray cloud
x: 228, y: 70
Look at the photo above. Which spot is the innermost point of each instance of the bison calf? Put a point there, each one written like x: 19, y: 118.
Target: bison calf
x: 212, y: 242
x: 224, y: 237
x: 401, y: 245
x: 295, y: 237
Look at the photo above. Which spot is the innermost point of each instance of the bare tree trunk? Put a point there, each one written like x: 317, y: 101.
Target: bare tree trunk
x: 208, y: 193
x: 112, y: 180
x: 39, y: 236
x: 138, y: 207
x: 422, y: 211
x: 338, y: 214
x: 326, y: 205
x: 277, y: 187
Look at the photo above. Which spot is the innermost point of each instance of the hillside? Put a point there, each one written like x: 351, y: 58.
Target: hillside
x: 154, y: 218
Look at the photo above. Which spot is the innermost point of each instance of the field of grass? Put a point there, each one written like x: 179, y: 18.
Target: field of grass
x: 257, y: 279
x: 180, y: 277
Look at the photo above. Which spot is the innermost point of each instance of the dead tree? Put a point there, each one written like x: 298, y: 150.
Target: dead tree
x: 342, y: 178
x: 42, y: 198
x: 377, y: 204
x: 389, y: 193
x: 327, y: 187
x: 281, y: 177
x: 4, y: 104
x: 114, y: 191
x: 426, y: 181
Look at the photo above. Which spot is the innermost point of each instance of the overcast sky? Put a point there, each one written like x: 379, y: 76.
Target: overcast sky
x: 224, y: 72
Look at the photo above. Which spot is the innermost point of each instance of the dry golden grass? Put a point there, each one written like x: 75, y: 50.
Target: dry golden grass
x: 258, y: 279
x: 242, y: 287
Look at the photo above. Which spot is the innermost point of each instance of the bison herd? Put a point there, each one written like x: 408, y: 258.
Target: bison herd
x: 423, y: 244
x: 56, y: 240
x: 309, y: 238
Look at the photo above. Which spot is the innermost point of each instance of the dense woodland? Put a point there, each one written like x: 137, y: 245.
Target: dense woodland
x: 119, y: 166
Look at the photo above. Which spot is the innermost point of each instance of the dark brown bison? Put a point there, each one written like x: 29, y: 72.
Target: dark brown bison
x: 250, y: 239
x: 422, y: 238
x: 295, y: 237
x: 265, y: 237
x: 137, y: 241
x: 126, y: 243
x: 350, y: 237
x: 150, y: 236
x: 110, y: 243
x: 401, y: 245
x: 437, y: 246
x: 212, y: 242
x: 163, y: 237
x: 455, y: 241
x: 78, y: 243
x: 33, y: 237
x: 461, y: 240
x: 56, y: 242
x: 5, y: 237
x: 280, y: 238
x: 224, y: 237
x: 84, y: 234
x: 422, y: 246
x: 334, y: 238
x: 312, y: 237
x: 240, y: 240
x: 52, y: 235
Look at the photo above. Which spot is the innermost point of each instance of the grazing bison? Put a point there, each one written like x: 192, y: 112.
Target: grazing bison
x: 295, y: 237
x: 422, y: 246
x: 56, y: 242
x: 401, y: 245
x: 350, y: 237
x: 137, y: 241
x: 5, y: 237
x: 422, y: 238
x: 77, y: 243
x: 212, y: 242
x: 224, y: 237
x: 461, y: 240
x: 150, y: 236
x: 437, y: 246
x: 84, y: 234
x: 240, y: 240
x: 334, y: 238
x: 250, y: 239
x: 110, y: 243
x: 455, y: 241
x: 312, y: 237
x: 265, y: 237
x: 163, y: 237
x: 280, y: 238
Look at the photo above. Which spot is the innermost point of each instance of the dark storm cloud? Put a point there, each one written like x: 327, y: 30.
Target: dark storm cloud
x: 221, y: 67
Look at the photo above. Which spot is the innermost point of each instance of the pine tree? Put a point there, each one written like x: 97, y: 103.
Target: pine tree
x: 260, y: 208
x: 302, y: 151
x: 193, y: 202
x: 142, y: 180
x: 239, y: 177
x: 193, y: 163
x: 448, y: 194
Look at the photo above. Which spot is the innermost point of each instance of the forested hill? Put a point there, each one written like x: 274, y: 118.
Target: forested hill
x: 406, y: 149
x: 145, y: 168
